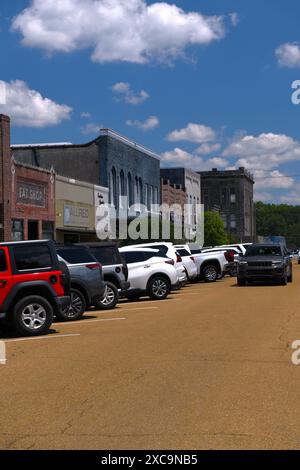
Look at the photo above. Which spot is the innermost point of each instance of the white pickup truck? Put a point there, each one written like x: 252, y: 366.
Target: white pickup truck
x: 210, y: 266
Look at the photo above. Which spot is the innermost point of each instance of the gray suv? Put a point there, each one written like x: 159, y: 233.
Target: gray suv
x: 114, y: 267
x: 87, y: 285
x: 265, y: 262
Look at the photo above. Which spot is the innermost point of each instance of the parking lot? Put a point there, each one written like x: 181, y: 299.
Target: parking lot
x: 208, y: 368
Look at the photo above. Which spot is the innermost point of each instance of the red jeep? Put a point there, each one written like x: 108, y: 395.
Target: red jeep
x: 33, y: 285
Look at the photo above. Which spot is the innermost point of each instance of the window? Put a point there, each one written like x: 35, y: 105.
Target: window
x: 224, y: 197
x: 232, y: 221
x: 137, y: 256
x: 76, y: 255
x: 29, y: 257
x: 232, y: 196
x: 17, y: 230
x: 183, y: 252
x: 106, y: 255
x: 113, y: 188
x: 3, y: 265
x: 129, y: 190
x: 224, y: 218
x: 48, y: 230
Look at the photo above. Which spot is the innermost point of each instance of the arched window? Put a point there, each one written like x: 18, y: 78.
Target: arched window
x: 113, y: 188
x: 140, y: 198
x: 129, y: 190
x: 136, y: 190
x: 122, y: 189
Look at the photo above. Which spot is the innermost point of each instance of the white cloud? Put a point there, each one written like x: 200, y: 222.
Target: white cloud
x: 263, y: 196
x: 272, y: 180
x: 206, y: 149
x: 288, y: 55
x: 263, y: 152
x: 29, y: 108
x: 234, y: 18
x: 151, y: 123
x: 192, y: 133
x: 86, y: 115
x: 124, y: 92
x: 181, y: 158
x: 90, y: 128
x: 116, y: 30
x: 292, y: 197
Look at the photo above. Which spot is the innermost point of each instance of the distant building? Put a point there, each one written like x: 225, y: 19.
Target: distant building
x: 230, y: 192
x: 190, y: 182
x: 173, y: 199
x: 110, y: 160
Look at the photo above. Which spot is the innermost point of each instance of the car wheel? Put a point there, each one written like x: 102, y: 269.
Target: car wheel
x: 241, y: 282
x: 210, y: 273
x: 284, y: 280
x: 110, y: 298
x: 159, y: 288
x: 32, y: 316
x: 290, y: 277
x: 76, y: 309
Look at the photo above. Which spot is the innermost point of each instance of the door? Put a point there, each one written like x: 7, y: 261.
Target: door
x: 33, y: 230
x: 5, y: 276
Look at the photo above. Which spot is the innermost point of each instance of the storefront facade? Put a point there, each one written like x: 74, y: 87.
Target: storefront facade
x: 32, y: 203
x: 76, y: 208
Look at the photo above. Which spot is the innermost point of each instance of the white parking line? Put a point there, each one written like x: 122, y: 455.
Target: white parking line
x: 38, y: 338
x: 138, y: 308
x: 87, y: 321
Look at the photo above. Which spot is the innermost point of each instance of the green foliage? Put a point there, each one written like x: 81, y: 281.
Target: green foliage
x: 214, y: 233
x: 278, y: 220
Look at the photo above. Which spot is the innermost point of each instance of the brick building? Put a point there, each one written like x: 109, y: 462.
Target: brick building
x: 32, y: 203
x: 27, y: 199
x: 230, y: 192
x: 190, y: 182
x: 172, y: 195
x: 110, y: 160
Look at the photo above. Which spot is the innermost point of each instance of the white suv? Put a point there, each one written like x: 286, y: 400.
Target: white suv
x: 167, y: 249
x: 149, y: 273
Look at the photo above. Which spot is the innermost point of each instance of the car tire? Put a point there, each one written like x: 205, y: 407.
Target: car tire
x: 159, y: 288
x: 32, y: 316
x: 241, y: 282
x: 284, y: 280
x: 76, y: 308
x: 290, y: 277
x: 210, y: 273
x: 110, y: 298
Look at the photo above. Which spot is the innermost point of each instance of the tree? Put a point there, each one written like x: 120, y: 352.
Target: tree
x: 214, y: 233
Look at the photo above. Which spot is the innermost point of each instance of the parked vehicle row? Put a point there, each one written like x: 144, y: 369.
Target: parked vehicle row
x: 40, y: 280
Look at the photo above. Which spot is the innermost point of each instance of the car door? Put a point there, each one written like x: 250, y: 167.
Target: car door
x: 138, y: 268
x: 6, y: 279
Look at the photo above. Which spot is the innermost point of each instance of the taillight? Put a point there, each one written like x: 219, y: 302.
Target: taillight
x: 93, y: 266
x: 170, y: 261
x: 178, y: 259
x: 229, y: 255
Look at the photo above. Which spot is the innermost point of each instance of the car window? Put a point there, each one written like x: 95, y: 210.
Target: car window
x: 183, y: 252
x: 3, y: 264
x: 32, y: 257
x: 264, y: 251
x: 76, y: 255
x: 136, y: 256
x: 195, y: 252
x: 106, y: 255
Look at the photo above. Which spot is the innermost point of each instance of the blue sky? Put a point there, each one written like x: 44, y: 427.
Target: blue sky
x: 212, y: 89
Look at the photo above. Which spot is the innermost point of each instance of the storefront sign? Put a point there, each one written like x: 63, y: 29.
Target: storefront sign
x: 30, y: 193
x: 76, y: 216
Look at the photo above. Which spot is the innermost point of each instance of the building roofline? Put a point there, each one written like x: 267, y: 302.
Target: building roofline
x: 115, y: 135
x: 104, y: 132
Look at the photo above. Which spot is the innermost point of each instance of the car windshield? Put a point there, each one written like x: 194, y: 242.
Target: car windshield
x: 264, y: 251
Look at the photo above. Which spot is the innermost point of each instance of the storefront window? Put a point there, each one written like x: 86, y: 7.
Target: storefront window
x: 17, y: 230
x: 48, y: 230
